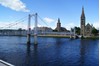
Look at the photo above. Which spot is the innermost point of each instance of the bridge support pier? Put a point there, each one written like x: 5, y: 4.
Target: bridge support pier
x: 29, y: 29
x: 74, y: 33
x: 35, y: 30
x: 28, y: 39
x: 71, y: 33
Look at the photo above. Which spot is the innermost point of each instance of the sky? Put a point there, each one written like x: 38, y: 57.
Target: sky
x: 69, y: 12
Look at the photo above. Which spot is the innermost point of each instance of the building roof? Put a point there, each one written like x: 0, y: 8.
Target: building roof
x: 62, y: 29
x: 83, y: 14
x: 58, y: 20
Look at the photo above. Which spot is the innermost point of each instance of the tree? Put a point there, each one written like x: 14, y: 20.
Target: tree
x: 55, y: 31
x: 95, y: 31
x: 77, y: 30
x: 20, y: 29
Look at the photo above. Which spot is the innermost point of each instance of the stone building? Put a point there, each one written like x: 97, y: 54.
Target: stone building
x: 86, y: 30
x: 44, y: 29
x: 13, y: 32
x: 59, y: 28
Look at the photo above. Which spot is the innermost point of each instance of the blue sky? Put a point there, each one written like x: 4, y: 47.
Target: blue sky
x: 69, y: 12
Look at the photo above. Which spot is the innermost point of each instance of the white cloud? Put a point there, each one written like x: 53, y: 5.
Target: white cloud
x: 16, y: 5
x: 96, y: 25
x: 49, y: 20
x: 39, y: 25
x: 69, y: 26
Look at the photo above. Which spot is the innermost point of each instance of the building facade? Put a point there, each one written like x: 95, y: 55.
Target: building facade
x: 82, y: 23
x: 58, y: 26
x: 11, y: 32
x: 44, y: 29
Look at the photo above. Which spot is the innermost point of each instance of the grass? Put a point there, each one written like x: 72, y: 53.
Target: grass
x: 56, y: 36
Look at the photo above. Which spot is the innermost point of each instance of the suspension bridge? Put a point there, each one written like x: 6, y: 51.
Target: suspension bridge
x: 8, y: 31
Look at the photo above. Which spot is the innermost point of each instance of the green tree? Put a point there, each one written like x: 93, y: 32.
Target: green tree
x: 77, y: 30
x: 20, y: 29
x: 55, y: 31
x: 95, y: 31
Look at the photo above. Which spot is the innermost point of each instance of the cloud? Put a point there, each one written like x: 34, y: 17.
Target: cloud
x: 49, y: 20
x: 16, y: 5
x: 69, y: 26
x: 96, y: 25
x: 38, y: 25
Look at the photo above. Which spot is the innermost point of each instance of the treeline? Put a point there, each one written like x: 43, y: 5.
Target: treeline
x: 95, y: 31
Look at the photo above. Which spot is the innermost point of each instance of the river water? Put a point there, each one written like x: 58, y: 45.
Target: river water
x: 49, y: 51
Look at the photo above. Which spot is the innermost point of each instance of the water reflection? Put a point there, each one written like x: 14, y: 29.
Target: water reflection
x: 35, y: 55
x: 28, y: 49
x: 88, y: 52
x: 32, y: 55
x: 58, y: 41
x: 82, y: 52
x: 57, y: 51
x: 28, y: 55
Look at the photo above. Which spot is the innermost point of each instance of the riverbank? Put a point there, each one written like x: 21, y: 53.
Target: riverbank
x: 62, y: 36
x: 57, y: 36
x: 94, y: 37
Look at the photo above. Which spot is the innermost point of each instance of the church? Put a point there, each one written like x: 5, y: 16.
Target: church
x: 86, y: 30
x: 59, y: 28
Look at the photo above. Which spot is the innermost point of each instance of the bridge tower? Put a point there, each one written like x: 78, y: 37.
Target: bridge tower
x: 35, y: 30
x: 71, y: 33
x: 29, y: 29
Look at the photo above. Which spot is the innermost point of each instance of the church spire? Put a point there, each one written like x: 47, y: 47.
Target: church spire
x: 82, y: 32
x: 58, y: 20
x: 58, y: 25
x: 83, y: 14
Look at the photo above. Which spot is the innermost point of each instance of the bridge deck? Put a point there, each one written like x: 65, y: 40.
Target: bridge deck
x: 3, y: 63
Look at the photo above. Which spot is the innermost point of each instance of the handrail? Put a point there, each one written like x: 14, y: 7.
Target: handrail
x: 6, y: 63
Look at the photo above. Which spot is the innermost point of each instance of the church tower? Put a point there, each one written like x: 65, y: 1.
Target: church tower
x: 82, y: 32
x: 58, y: 25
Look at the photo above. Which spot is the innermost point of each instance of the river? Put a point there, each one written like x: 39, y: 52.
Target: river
x: 49, y: 51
